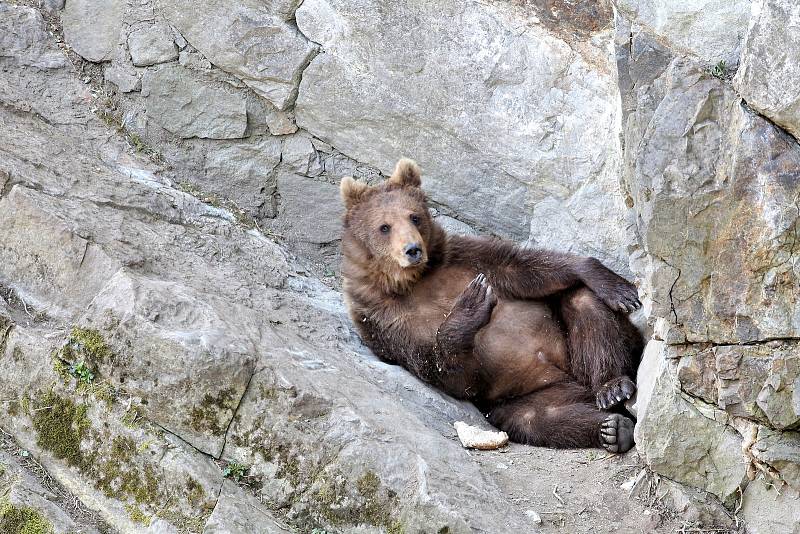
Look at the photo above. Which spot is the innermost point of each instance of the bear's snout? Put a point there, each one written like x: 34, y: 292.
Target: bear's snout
x: 413, y: 252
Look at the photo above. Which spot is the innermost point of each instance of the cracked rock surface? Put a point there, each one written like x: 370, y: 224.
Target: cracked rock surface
x: 714, y: 184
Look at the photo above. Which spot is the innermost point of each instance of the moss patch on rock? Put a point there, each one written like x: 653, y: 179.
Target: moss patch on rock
x: 22, y: 520
x: 137, y: 516
x: 80, y: 358
x: 88, y: 346
x: 370, y: 503
x: 207, y: 416
x: 116, y: 473
x: 61, y: 425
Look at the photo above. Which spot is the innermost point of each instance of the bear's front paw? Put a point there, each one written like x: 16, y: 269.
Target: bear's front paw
x: 616, y: 433
x: 476, y: 302
x: 619, y: 295
x: 615, y: 391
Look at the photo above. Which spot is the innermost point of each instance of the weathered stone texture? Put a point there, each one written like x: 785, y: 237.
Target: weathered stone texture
x: 538, y: 121
x: 714, y: 192
x: 92, y: 27
x: 688, y: 443
x: 23, y: 39
x: 500, y: 127
x: 150, y: 45
x: 709, y: 30
x: 186, y: 105
x: 769, y: 70
x: 248, y: 39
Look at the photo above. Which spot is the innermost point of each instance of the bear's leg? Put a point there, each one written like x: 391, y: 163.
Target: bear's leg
x: 562, y: 416
x: 604, y: 346
x: 457, y: 368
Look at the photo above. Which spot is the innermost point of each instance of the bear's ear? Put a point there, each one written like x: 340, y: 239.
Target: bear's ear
x: 352, y: 191
x: 406, y: 173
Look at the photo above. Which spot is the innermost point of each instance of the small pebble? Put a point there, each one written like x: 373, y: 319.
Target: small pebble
x: 534, y: 517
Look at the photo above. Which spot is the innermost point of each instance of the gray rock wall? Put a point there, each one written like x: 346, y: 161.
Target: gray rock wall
x: 712, y: 170
x: 510, y: 109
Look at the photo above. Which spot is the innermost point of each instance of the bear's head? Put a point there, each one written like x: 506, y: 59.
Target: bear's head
x: 388, y: 229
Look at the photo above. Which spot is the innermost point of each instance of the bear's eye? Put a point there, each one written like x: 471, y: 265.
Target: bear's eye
x: 415, y: 219
x: 385, y: 228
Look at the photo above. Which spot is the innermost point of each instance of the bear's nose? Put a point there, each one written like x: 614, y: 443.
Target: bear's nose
x: 414, y: 252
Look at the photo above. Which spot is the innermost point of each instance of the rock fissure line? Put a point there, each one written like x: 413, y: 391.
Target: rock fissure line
x: 216, y: 500
x: 710, y: 343
x: 235, y: 411
x: 181, y: 438
x: 775, y: 125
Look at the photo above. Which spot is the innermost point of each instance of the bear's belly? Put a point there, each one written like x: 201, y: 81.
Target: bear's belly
x: 522, y: 349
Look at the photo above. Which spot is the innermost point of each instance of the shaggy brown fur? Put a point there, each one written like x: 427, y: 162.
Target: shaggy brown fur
x: 538, y: 339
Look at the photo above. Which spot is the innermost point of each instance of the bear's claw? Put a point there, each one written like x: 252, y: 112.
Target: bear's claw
x: 477, y: 301
x: 615, y: 391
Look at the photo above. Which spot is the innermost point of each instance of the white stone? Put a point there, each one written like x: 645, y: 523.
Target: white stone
x: 472, y: 437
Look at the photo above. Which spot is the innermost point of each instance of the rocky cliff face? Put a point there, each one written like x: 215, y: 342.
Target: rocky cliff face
x: 171, y: 365
x: 712, y: 172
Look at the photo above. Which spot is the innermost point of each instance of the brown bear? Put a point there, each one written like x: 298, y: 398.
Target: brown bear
x: 539, y: 340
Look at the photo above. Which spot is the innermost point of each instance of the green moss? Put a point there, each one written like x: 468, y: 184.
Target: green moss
x: 368, y: 484
x: 206, y: 417
x: 137, y: 516
x: 86, y: 345
x: 104, y: 392
x: 61, y: 425
x: 194, y: 492
x: 117, y: 475
x: 336, y: 504
x: 17, y: 354
x: 61, y: 369
x: 131, y: 417
x: 80, y: 358
x: 268, y: 393
x: 22, y: 520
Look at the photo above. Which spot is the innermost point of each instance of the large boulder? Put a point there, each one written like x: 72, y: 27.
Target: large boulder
x: 769, y: 69
x: 510, y: 113
x: 689, y: 441
x: 716, y: 210
x: 713, y: 191
x: 708, y: 30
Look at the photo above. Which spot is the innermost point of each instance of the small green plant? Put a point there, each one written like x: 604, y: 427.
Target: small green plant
x: 720, y: 70
x: 82, y: 372
x: 235, y: 471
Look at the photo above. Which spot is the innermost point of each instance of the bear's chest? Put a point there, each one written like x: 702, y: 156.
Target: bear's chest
x: 433, y: 297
